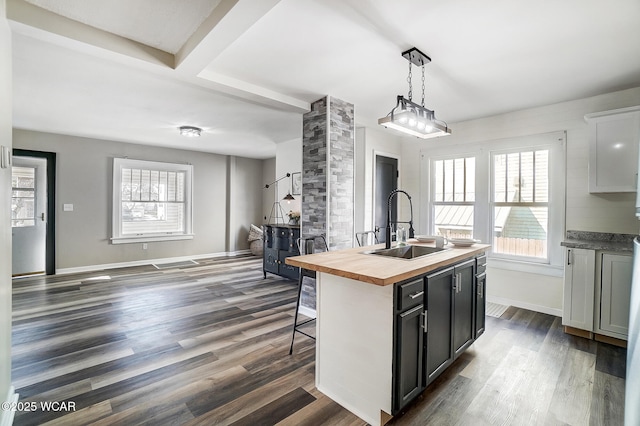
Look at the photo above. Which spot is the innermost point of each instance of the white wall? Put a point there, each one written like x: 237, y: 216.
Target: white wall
x: 6, y: 390
x: 584, y: 211
x: 288, y: 160
x: 374, y: 142
x: 227, y: 199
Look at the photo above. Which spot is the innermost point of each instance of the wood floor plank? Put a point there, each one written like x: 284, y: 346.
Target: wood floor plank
x: 84, y: 416
x: 571, y: 402
x: 255, y: 399
x: 278, y: 409
x: 608, y: 392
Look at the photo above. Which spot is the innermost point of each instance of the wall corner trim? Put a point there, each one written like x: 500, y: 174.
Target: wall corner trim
x: 6, y: 416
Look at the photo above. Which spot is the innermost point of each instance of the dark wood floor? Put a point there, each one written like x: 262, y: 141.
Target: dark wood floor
x: 208, y: 344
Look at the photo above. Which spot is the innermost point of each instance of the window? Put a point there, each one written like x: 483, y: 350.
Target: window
x: 454, y: 196
x: 520, y: 203
x: 151, y: 201
x: 508, y: 193
x: 23, y: 196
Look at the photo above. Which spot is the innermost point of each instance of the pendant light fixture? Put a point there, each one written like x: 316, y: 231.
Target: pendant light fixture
x: 409, y: 117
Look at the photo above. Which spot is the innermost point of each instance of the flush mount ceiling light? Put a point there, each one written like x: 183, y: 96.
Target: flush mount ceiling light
x: 409, y: 117
x: 190, y: 131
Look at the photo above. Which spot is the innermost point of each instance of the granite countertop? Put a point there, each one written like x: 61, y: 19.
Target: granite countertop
x: 599, y: 241
x: 381, y: 270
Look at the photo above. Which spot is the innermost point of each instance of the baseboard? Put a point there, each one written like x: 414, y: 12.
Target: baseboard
x: 91, y: 268
x: 308, y: 312
x: 6, y: 416
x: 524, y: 305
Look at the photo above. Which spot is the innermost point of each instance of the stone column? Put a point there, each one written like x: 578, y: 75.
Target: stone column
x: 328, y: 172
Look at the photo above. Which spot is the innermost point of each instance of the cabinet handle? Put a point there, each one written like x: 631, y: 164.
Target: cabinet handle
x: 457, y: 282
x: 424, y: 321
x: 481, y: 289
x: 568, y: 257
x: 416, y: 295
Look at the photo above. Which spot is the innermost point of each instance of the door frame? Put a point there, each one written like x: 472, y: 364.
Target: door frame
x: 50, y: 242
x: 377, y: 154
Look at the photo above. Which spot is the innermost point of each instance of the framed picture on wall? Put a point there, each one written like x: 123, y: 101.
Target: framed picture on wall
x: 296, y: 183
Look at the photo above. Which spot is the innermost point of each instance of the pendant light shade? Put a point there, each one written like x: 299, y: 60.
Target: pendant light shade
x: 409, y: 117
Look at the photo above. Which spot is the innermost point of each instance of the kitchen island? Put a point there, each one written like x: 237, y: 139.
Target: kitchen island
x: 387, y: 327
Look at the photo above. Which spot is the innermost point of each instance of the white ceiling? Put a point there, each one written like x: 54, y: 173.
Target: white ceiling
x: 245, y: 70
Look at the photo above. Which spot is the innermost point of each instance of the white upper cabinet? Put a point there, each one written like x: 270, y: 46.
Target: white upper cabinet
x: 613, y: 150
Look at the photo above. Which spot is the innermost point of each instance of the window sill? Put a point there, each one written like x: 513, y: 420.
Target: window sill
x: 151, y: 239
x: 528, y: 267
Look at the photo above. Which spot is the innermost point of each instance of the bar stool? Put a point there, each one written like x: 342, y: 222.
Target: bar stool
x: 364, y: 238
x: 305, y: 246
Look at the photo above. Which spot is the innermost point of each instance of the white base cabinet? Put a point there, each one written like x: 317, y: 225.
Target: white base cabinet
x: 612, y: 313
x: 579, y: 288
x: 597, y: 288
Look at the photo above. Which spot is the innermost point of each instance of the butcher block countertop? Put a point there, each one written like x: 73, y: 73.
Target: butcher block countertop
x: 382, y: 270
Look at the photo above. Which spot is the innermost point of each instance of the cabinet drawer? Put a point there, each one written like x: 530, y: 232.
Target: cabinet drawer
x: 287, y: 270
x: 481, y: 264
x: 410, y: 294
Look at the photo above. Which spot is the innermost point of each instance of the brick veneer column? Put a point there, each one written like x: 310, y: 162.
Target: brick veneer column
x: 327, y: 177
x: 327, y: 171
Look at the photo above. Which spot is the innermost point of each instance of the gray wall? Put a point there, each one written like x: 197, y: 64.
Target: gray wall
x: 268, y: 176
x: 5, y: 228
x: 246, y: 194
x: 227, y: 198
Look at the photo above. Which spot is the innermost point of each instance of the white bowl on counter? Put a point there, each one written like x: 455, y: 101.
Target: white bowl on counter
x: 463, y: 242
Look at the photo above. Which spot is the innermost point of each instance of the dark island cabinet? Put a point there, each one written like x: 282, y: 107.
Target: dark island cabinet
x: 280, y: 242
x: 439, y: 345
x: 463, y: 306
x: 409, y: 342
x: 481, y: 287
x: 437, y: 317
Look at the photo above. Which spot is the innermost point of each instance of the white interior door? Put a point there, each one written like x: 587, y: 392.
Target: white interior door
x: 28, y: 218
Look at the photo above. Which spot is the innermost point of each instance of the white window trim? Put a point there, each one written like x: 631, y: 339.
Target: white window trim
x: 492, y: 202
x: 432, y: 189
x: 483, y: 220
x: 116, y: 216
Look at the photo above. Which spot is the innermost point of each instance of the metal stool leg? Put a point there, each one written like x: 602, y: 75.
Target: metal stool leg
x: 295, y: 321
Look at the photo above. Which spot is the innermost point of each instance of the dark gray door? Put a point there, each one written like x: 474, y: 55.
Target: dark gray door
x: 386, y: 181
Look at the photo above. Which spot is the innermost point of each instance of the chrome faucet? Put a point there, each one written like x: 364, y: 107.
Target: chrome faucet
x: 387, y: 242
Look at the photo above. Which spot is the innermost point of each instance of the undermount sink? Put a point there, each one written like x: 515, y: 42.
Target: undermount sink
x: 406, y: 252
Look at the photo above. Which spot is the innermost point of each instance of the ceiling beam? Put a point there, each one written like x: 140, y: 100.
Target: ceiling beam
x: 41, y: 24
x: 228, y: 21
x: 251, y: 92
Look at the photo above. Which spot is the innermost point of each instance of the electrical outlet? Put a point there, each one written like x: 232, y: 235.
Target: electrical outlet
x: 144, y: 246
